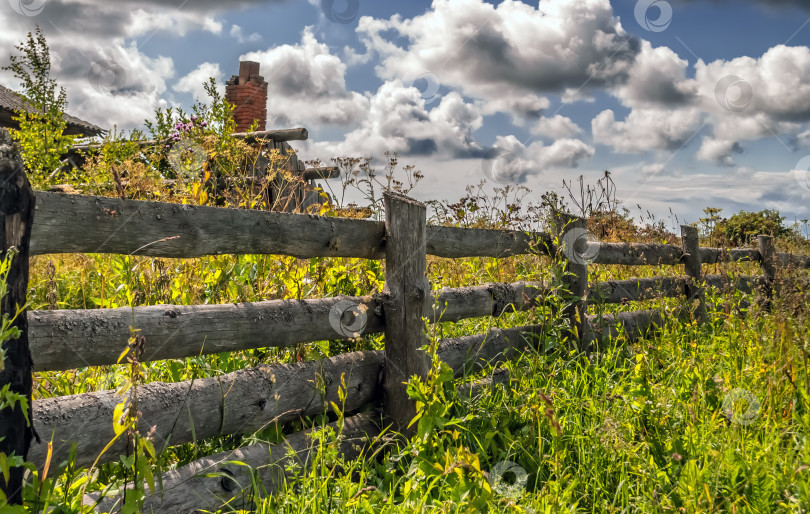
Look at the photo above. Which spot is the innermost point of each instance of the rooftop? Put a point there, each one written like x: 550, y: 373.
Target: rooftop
x: 11, y: 101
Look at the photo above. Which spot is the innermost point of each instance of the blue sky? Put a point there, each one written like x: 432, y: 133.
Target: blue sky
x: 689, y: 103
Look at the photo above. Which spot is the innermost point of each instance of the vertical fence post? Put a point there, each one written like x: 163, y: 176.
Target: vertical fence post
x: 405, y: 297
x: 691, y: 260
x: 16, y: 216
x: 573, y: 234
x: 768, y: 260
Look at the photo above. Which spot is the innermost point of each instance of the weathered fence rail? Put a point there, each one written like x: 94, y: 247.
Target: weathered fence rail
x: 244, y: 401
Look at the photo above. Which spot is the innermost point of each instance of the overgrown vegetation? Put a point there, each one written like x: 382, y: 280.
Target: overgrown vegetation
x: 41, y: 127
x: 695, y: 418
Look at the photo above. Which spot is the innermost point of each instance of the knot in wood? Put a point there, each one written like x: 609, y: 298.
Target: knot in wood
x: 504, y: 298
x: 227, y: 481
x: 417, y: 293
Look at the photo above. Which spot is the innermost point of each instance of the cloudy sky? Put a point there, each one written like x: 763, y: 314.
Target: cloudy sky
x: 689, y: 103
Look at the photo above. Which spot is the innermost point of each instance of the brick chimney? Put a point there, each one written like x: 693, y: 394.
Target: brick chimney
x: 248, y: 93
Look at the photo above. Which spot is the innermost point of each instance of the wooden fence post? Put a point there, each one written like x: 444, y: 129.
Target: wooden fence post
x: 768, y: 261
x: 404, y: 300
x: 16, y: 217
x: 690, y: 243
x: 573, y: 231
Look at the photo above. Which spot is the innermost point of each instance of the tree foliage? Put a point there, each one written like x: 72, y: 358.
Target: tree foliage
x: 741, y: 228
x: 41, y: 134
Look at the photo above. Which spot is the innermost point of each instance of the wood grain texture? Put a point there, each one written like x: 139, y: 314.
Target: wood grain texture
x: 241, y: 402
x: 467, y: 354
x: 454, y: 242
x: 69, y: 339
x: 16, y: 213
x: 714, y: 255
x: 636, y: 289
x: 405, y: 302
x: 633, y: 324
x: 636, y: 254
x: 89, y: 224
x: 455, y: 304
x: 247, y: 400
x: 185, y: 489
x: 692, y: 266
x: 573, y: 234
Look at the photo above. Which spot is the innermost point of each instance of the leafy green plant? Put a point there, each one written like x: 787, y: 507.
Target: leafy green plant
x: 42, y: 125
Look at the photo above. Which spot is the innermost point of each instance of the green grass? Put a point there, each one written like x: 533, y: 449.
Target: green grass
x: 656, y: 425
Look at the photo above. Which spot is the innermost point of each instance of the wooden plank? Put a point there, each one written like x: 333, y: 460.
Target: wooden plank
x: 573, y: 236
x: 791, y: 260
x: 477, y: 388
x: 691, y: 262
x: 236, y: 403
x: 633, y: 324
x: 468, y: 354
x: 455, y: 304
x: 321, y: 173
x: 185, y: 489
x: 769, y: 262
x: 16, y: 213
x: 405, y: 301
x: 90, y: 224
x: 247, y: 400
x: 278, y: 135
x: 715, y: 255
x: 455, y: 242
x: 68, y: 339
x: 636, y: 254
x: 637, y: 289
x: 745, y: 284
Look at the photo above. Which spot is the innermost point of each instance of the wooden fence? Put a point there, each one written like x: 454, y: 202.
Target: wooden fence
x: 245, y: 401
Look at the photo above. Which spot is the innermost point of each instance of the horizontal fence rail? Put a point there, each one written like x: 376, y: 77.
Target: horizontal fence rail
x: 244, y: 401
x: 90, y: 224
x: 93, y: 224
x: 67, y: 339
